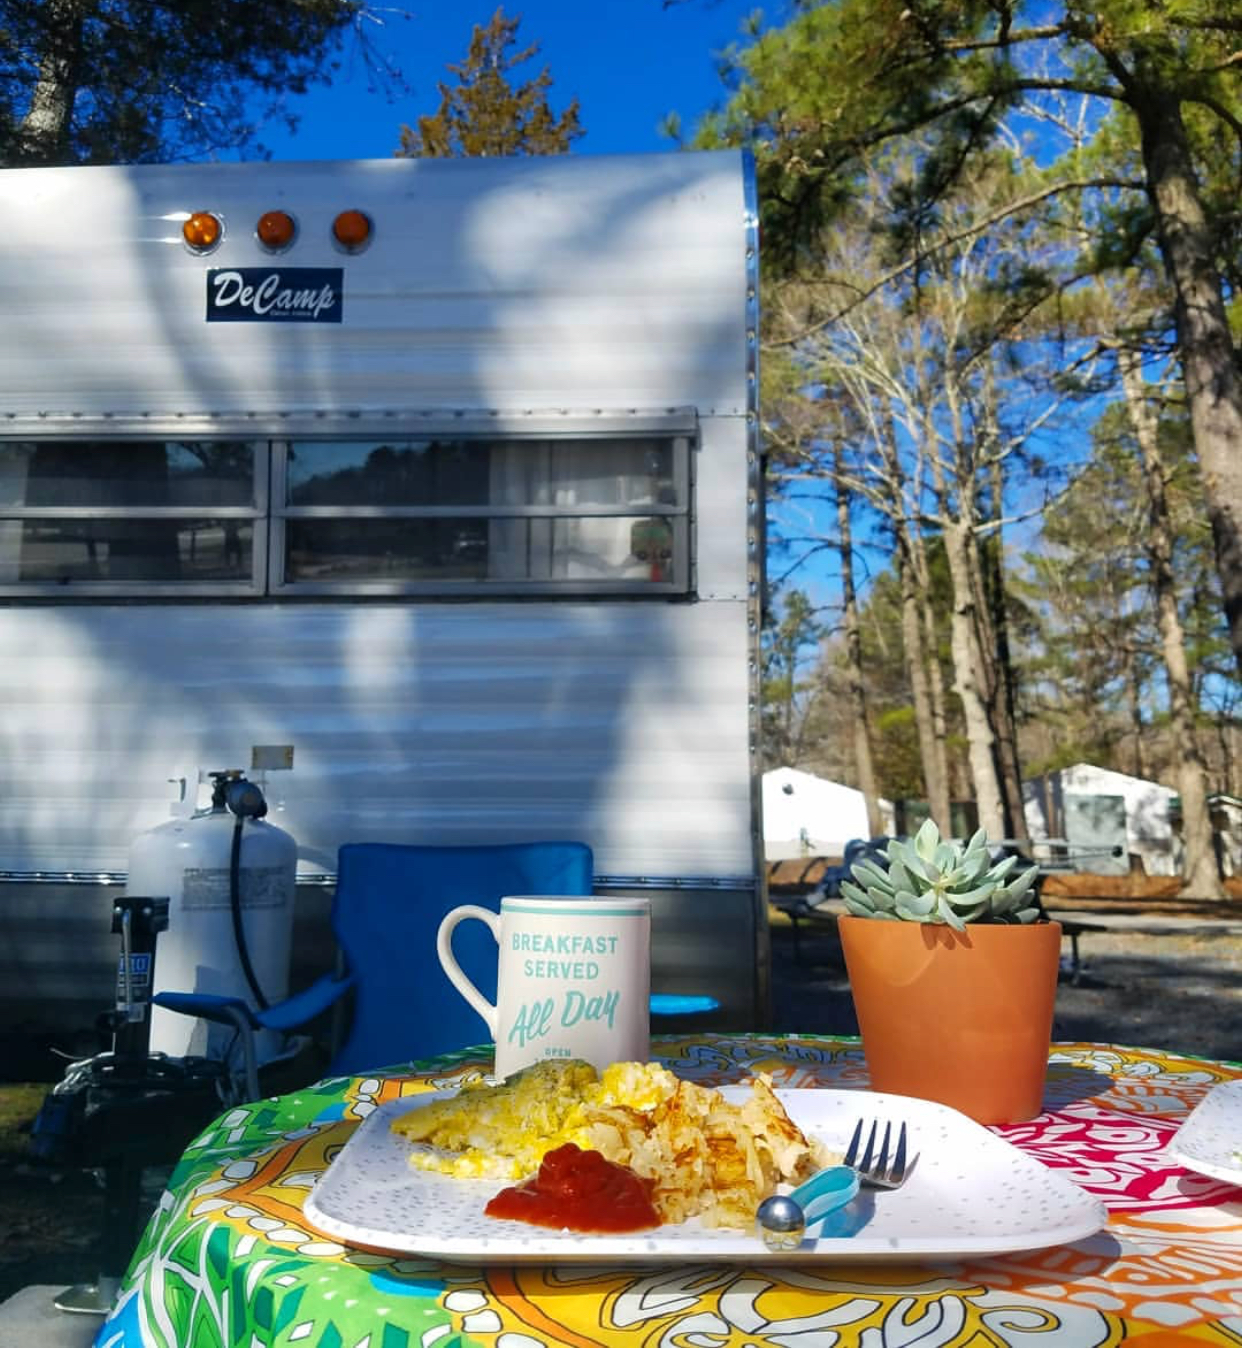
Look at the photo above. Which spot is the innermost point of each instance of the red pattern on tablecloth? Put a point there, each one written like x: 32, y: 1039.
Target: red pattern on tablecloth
x: 1120, y: 1158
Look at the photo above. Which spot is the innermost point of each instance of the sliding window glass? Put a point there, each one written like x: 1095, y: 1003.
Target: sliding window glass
x: 132, y: 517
x: 453, y: 516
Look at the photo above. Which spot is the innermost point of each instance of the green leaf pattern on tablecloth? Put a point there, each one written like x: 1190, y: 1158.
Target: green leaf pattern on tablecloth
x: 196, y: 1280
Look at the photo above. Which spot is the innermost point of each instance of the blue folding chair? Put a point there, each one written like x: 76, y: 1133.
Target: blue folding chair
x: 390, y: 898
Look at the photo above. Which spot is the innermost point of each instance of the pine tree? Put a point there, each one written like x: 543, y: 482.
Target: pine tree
x: 484, y: 114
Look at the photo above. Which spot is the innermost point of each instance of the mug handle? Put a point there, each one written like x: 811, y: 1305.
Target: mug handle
x: 444, y: 949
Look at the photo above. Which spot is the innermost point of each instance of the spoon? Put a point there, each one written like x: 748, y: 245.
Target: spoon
x: 782, y: 1219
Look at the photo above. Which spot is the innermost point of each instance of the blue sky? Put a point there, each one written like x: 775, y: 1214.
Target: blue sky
x: 628, y: 62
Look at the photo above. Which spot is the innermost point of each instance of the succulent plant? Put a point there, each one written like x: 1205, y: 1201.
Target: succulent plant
x: 929, y: 880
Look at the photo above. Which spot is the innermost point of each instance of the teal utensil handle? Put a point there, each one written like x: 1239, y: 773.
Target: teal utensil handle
x: 826, y: 1191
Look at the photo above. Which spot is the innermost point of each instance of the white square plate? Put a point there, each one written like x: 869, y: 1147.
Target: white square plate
x: 969, y: 1193
x: 1210, y: 1141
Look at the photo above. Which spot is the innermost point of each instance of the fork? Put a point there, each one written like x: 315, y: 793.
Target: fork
x: 783, y: 1220
x: 879, y: 1173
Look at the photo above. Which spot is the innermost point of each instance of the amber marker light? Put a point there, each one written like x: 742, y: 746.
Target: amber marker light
x: 352, y: 230
x: 202, y: 231
x: 276, y: 230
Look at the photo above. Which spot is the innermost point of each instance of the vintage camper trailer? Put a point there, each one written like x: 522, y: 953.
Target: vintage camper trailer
x: 1109, y: 820
x: 436, y: 479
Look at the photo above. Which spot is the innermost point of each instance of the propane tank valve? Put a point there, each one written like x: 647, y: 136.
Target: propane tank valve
x: 245, y: 800
x: 231, y: 790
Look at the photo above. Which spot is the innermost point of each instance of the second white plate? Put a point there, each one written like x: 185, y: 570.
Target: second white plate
x: 969, y: 1193
x: 1210, y: 1141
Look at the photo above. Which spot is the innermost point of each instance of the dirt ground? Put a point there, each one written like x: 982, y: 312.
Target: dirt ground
x: 1180, y: 991
x: 50, y: 1219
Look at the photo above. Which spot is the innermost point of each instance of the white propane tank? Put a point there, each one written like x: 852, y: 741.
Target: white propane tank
x: 189, y: 861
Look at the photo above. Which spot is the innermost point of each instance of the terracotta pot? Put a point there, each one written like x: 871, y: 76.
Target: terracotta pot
x: 960, y: 1018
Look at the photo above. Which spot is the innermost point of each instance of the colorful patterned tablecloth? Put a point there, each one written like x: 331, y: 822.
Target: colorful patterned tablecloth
x: 228, y: 1259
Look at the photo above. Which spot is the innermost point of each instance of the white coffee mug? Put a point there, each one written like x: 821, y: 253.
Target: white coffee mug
x: 573, y: 980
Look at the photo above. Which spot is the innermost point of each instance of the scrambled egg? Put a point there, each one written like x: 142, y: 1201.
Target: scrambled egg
x: 703, y: 1155
x: 503, y: 1132
x: 499, y: 1132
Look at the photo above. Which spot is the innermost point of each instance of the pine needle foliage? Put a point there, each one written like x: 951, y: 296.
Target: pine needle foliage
x: 485, y: 113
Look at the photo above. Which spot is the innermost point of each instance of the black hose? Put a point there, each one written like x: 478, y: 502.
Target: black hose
x: 239, y: 934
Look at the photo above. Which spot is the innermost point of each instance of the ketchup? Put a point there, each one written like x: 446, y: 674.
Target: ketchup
x: 580, y: 1191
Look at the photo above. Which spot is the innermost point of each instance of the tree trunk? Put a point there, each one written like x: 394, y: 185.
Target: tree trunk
x: 958, y: 540
x: 1134, y: 700
x: 970, y: 670
x: 918, y: 643
x: 1213, y: 387
x: 1002, y: 692
x: 1202, y: 881
x: 43, y: 136
x: 916, y: 672
x: 936, y: 753
x: 1001, y: 700
x: 864, y: 764
x: 948, y: 769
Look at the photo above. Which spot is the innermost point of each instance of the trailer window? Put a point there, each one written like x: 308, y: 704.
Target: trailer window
x: 131, y: 517
x: 452, y: 516
x: 446, y: 515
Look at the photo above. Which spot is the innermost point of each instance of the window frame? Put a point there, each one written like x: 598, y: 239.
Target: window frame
x: 258, y: 515
x: 269, y: 514
x: 471, y: 587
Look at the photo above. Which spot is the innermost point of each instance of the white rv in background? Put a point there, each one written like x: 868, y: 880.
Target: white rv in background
x: 437, y: 478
